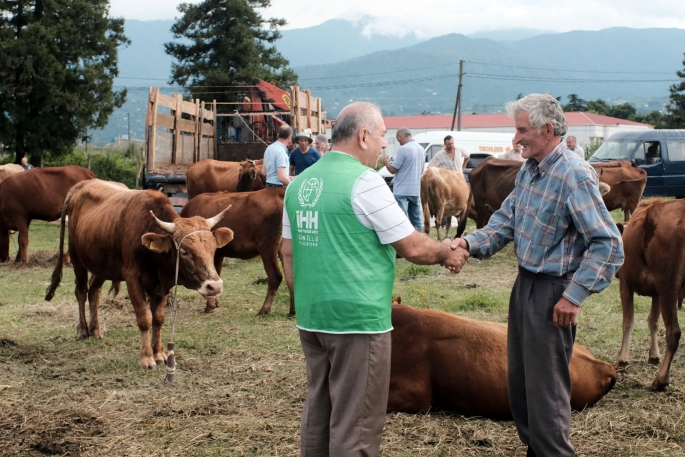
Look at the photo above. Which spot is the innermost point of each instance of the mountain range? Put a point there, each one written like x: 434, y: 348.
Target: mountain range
x: 405, y: 75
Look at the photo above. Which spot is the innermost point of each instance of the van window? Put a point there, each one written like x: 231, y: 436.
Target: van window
x: 652, y: 151
x: 615, y: 150
x: 676, y: 150
x: 423, y: 145
x: 432, y: 151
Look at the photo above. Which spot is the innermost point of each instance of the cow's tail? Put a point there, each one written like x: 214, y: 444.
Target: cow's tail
x: 464, y: 217
x: 57, y: 273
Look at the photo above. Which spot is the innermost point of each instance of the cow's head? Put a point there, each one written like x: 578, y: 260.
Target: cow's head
x: 197, y: 244
x: 249, y: 177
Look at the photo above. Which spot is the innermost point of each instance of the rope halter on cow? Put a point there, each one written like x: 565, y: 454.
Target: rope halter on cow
x: 170, y: 228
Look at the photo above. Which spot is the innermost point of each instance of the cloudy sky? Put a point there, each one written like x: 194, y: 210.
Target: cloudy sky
x: 438, y: 17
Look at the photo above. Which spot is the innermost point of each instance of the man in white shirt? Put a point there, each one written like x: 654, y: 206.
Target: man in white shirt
x: 276, y: 161
x: 572, y: 145
x: 450, y: 157
x: 514, y: 153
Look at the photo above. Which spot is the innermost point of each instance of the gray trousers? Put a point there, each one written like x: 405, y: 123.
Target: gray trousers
x: 538, y: 355
x: 348, y: 378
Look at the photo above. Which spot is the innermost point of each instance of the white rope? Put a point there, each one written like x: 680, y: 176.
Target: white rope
x: 248, y: 127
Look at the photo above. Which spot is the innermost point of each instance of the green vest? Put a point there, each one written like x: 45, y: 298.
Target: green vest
x: 343, y: 274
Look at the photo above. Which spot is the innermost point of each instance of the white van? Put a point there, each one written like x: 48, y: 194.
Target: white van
x: 478, y: 144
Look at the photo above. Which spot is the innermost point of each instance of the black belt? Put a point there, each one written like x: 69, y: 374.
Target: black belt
x: 273, y: 185
x: 543, y: 276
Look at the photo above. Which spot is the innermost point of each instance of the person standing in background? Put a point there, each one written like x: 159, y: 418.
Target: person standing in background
x: 407, y: 168
x: 275, y: 167
x: 304, y: 156
x: 515, y: 153
x: 450, y: 157
x: 572, y: 145
x: 321, y: 143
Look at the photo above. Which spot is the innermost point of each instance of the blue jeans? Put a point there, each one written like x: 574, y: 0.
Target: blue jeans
x: 411, y: 205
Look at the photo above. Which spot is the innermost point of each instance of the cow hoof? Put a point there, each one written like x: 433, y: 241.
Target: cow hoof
x: 96, y: 334
x: 622, y: 366
x: 658, y: 386
x: 654, y: 361
x: 209, y: 309
x: 160, y: 358
x: 81, y: 333
x: 263, y: 312
x: 148, y: 362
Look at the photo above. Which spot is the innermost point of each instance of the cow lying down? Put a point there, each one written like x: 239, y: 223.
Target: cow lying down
x: 458, y: 364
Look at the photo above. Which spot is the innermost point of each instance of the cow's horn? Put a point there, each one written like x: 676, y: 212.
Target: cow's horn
x: 250, y: 161
x: 215, y: 220
x: 168, y: 227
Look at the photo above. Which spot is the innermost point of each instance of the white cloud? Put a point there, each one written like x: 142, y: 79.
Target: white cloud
x: 438, y: 17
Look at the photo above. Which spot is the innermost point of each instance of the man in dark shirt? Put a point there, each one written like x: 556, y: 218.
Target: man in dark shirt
x: 303, y: 156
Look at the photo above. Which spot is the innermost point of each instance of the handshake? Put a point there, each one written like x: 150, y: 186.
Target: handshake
x: 456, y: 254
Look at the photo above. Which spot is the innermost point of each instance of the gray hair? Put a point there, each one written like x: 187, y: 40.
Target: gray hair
x: 403, y: 131
x: 572, y: 136
x: 353, y: 118
x: 321, y: 137
x: 541, y: 109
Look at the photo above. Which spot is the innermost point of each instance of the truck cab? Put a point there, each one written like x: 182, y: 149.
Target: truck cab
x: 661, y: 153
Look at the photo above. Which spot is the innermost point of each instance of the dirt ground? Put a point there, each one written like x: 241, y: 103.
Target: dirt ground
x: 241, y: 382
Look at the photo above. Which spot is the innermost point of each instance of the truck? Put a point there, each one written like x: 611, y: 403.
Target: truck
x: 179, y: 132
x: 661, y: 153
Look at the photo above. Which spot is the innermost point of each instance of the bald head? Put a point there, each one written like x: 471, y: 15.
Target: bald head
x: 354, y: 117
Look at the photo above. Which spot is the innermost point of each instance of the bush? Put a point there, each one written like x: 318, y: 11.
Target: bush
x: 417, y: 270
x: 110, y: 166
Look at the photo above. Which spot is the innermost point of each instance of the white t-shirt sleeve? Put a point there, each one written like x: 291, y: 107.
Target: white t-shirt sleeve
x: 376, y: 208
x: 287, y: 233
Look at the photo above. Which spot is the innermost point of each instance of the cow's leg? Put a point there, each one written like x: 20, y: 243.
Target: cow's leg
x: 81, y: 292
x: 4, y: 243
x: 628, y: 305
x: 653, y: 324
x: 274, y: 275
x: 23, y: 254
x: 448, y: 225
x: 94, y: 301
x: 438, y: 220
x: 157, y: 307
x: 291, y: 312
x: 667, y: 303
x: 213, y: 303
x: 144, y: 320
x: 626, y: 215
x: 427, y: 217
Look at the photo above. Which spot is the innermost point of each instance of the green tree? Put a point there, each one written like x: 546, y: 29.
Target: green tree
x: 226, y: 43
x: 675, y: 110
x: 598, y: 106
x: 623, y: 111
x: 58, y: 60
x: 654, y: 118
x: 575, y: 103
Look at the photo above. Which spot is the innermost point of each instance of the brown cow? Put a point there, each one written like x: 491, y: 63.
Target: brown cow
x: 491, y: 182
x: 654, y: 266
x: 217, y: 176
x: 114, y: 234
x: 9, y: 170
x: 256, y: 221
x: 38, y: 194
x: 626, y: 182
x: 444, y: 193
x: 446, y: 361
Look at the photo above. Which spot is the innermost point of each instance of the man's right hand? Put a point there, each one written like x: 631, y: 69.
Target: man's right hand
x: 455, y: 257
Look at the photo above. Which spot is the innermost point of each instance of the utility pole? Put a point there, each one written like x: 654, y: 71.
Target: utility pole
x: 129, y: 133
x: 457, y: 104
x: 87, y: 153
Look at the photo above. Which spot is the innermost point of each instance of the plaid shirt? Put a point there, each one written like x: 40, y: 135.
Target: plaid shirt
x: 559, y: 224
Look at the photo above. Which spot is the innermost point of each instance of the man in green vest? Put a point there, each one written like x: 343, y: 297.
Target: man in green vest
x: 341, y: 227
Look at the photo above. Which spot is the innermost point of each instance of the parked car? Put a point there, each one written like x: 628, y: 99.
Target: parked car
x: 661, y: 153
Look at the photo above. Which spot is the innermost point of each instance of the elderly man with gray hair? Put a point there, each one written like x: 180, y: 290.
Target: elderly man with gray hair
x: 567, y: 247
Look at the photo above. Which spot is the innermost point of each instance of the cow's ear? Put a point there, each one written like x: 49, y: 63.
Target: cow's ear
x: 156, y: 242
x: 223, y: 236
x: 253, y: 174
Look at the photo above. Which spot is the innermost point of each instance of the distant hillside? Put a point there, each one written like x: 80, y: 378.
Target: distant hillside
x: 334, y: 41
x: 497, y: 71
x: 510, y: 34
x: 609, y: 55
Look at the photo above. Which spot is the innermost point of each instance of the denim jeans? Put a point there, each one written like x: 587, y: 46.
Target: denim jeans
x: 411, y: 205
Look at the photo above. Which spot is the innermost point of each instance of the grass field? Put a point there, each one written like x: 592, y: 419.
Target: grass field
x: 241, y: 382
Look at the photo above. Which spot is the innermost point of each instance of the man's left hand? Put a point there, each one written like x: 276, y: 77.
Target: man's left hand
x: 565, y: 313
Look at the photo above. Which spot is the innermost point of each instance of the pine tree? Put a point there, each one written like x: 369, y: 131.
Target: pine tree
x: 675, y: 110
x: 575, y: 103
x: 58, y: 60
x: 225, y: 43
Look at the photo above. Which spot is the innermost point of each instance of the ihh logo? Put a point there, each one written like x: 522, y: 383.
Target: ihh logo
x: 307, y: 220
